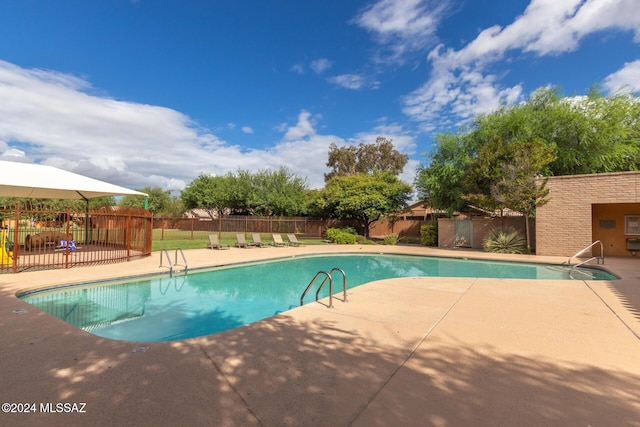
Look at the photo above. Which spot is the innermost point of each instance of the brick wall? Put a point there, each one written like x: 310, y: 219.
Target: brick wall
x: 565, y: 224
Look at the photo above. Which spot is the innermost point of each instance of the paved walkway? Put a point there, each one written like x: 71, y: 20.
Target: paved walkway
x: 402, y: 352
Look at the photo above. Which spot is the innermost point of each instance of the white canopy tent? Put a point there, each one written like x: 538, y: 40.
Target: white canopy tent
x: 46, y: 182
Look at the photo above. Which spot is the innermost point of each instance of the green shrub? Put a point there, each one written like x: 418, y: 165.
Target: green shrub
x: 340, y: 236
x: 505, y: 241
x: 350, y: 230
x: 429, y: 235
x: 391, y: 239
x: 363, y: 240
x: 408, y: 240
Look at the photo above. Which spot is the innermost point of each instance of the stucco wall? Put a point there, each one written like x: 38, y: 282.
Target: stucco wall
x: 565, y: 224
x: 481, y: 228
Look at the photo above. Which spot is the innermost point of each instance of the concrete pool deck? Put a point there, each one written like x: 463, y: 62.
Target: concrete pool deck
x: 409, y: 352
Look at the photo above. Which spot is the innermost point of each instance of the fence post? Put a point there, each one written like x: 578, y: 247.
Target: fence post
x: 66, y: 237
x: 127, y: 237
x: 16, y: 241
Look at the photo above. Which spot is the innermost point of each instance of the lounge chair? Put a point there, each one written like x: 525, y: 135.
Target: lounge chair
x: 214, y: 243
x: 257, y: 240
x: 277, y: 241
x: 293, y: 240
x: 241, y: 241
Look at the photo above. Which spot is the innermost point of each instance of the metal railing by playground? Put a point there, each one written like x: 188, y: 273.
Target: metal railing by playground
x: 38, y: 236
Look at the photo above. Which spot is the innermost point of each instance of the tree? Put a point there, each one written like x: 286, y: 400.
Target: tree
x: 279, y: 193
x: 441, y: 183
x: 365, y: 197
x: 159, y: 200
x: 366, y: 158
x: 99, y: 202
x: 241, y: 196
x: 266, y: 192
x: 207, y: 192
x: 596, y: 134
x: 591, y: 134
x: 521, y: 187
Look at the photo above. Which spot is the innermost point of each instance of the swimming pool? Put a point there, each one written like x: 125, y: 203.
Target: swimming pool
x: 203, y: 302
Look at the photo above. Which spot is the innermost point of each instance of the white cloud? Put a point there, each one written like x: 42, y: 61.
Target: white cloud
x: 320, y: 65
x: 460, y: 86
x: 625, y: 79
x: 352, y: 81
x: 10, y: 153
x: 303, y: 129
x: 297, y: 68
x: 48, y: 117
x: 247, y: 129
x: 402, y: 26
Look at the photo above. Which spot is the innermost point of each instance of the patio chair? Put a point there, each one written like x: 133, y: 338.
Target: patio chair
x: 293, y: 240
x: 277, y: 241
x: 241, y: 241
x: 214, y: 243
x: 257, y: 240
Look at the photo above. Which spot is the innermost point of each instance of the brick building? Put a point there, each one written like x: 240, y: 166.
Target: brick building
x: 586, y: 208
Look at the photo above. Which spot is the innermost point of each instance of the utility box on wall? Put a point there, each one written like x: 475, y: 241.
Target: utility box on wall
x: 633, y: 245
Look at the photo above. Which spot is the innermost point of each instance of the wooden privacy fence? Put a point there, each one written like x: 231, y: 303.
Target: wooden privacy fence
x: 307, y: 227
x: 45, y: 236
x: 302, y: 226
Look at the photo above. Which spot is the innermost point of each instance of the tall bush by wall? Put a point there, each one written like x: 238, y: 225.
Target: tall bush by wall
x: 429, y: 235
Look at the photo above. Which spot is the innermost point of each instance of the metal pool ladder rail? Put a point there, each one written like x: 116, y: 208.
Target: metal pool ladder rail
x: 171, y: 265
x: 597, y: 258
x: 327, y: 276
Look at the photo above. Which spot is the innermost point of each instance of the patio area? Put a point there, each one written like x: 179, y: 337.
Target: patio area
x: 411, y: 352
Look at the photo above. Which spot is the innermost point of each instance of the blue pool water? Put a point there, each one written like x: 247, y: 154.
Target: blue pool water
x: 203, y: 302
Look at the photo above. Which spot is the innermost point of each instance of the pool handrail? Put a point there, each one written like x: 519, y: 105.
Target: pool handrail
x: 344, y: 282
x: 164, y: 252
x: 184, y: 259
x: 580, y: 252
x: 171, y: 265
x: 327, y: 276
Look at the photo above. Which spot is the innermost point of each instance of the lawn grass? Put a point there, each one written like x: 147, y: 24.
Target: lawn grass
x: 174, y: 239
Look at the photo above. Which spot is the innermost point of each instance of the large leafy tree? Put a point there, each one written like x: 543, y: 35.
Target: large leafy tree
x: 159, y: 200
x: 520, y: 186
x: 278, y: 193
x: 365, y: 158
x: 441, y: 183
x: 364, y: 197
x: 591, y: 134
x: 266, y: 192
x: 207, y: 192
x: 241, y: 195
x: 100, y: 202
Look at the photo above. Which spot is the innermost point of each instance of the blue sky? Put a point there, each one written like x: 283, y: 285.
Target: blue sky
x: 153, y: 93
